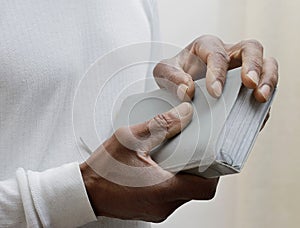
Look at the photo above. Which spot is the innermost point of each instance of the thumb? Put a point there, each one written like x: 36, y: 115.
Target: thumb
x: 145, y: 136
x: 172, y: 77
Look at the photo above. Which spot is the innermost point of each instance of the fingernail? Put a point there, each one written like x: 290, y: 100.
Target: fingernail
x: 181, y: 91
x: 182, y: 110
x: 217, y: 88
x: 265, y: 91
x: 253, y: 76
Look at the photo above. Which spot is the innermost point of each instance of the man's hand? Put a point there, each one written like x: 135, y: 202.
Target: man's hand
x: 154, y: 193
x: 209, y: 56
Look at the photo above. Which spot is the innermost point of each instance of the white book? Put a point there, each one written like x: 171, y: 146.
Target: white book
x: 220, y: 136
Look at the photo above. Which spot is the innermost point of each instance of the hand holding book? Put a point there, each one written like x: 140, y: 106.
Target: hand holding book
x: 209, y: 58
x: 229, y: 126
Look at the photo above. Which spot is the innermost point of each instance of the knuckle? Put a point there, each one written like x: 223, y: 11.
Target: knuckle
x: 273, y: 61
x: 273, y: 81
x: 166, y: 73
x: 271, y: 70
x: 253, y: 43
x: 220, y: 56
x: 274, y: 78
x: 207, y: 41
x: 163, y: 66
x: 220, y: 64
x: 158, y: 68
x: 256, y: 64
x: 163, y: 121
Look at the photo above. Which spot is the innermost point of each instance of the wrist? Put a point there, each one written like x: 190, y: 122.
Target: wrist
x: 89, y: 179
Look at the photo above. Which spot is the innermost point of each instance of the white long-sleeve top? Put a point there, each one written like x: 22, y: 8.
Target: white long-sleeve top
x: 45, y: 49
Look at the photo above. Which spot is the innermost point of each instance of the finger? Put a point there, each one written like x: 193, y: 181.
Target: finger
x: 145, y: 136
x: 212, y: 51
x: 191, y: 187
x: 217, y: 65
x: 171, y: 76
x: 192, y: 64
x: 269, y: 80
x: 250, y: 53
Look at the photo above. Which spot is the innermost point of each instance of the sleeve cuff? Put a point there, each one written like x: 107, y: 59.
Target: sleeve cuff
x: 60, y: 197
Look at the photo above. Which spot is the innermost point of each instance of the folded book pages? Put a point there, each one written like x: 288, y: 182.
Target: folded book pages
x: 220, y: 136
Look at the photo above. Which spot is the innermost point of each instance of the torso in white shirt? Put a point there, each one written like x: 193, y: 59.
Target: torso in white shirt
x: 45, y: 49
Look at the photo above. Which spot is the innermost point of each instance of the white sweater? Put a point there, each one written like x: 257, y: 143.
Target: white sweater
x: 45, y: 48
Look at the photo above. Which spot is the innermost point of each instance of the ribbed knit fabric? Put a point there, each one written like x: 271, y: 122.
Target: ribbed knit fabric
x: 45, y: 48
